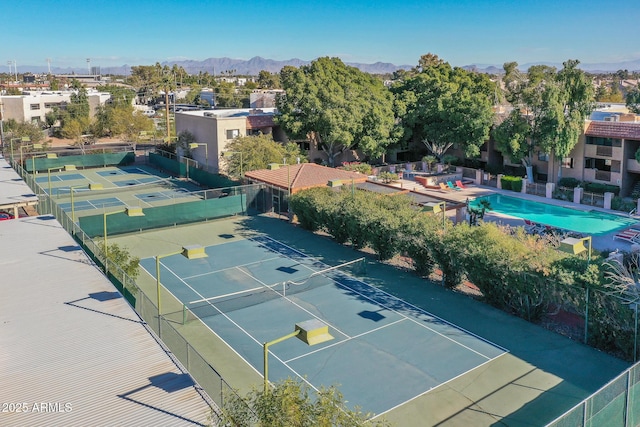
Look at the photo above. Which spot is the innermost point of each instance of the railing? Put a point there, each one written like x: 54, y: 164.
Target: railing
x: 602, y: 150
x: 592, y: 199
x: 536, y: 189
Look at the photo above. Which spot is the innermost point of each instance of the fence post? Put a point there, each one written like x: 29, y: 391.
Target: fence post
x: 525, y: 181
x: 607, y: 200
x: 577, y: 195
x: 549, y: 190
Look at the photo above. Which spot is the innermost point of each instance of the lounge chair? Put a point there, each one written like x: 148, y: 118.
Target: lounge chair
x: 460, y: 185
x: 453, y: 187
x: 533, y: 227
x: 629, y: 235
x: 444, y: 187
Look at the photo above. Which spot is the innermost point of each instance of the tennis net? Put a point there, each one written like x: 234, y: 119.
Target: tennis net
x: 222, y: 304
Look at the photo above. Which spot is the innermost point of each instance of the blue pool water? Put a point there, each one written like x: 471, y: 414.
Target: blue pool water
x: 590, y: 222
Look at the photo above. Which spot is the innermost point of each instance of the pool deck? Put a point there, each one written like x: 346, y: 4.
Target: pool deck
x: 604, y: 242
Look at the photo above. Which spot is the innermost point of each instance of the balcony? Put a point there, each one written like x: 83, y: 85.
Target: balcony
x: 604, y: 151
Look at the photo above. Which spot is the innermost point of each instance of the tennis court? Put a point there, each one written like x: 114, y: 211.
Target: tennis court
x: 114, y: 187
x: 254, y: 290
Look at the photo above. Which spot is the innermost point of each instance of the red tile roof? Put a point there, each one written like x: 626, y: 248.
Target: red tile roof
x: 303, y: 175
x: 258, y: 122
x: 614, y: 130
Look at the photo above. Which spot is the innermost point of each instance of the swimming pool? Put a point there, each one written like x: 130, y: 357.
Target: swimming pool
x: 590, y: 222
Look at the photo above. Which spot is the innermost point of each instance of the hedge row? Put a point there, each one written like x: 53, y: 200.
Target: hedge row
x: 521, y: 274
x: 511, y: 183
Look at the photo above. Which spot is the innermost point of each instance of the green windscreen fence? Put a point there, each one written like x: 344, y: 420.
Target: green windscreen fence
x: 42, y: 164
x: 165, y: 216
x: 200, y: 176
x: 169, y: 165
x: 617, y: 404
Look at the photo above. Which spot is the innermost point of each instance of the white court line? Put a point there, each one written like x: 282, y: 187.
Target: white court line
x: 208, y: 327
x: 348, y: 339
x: 402, y: 314
x: 293, y: 302
x: 231, y: 268
x: 439, y: 385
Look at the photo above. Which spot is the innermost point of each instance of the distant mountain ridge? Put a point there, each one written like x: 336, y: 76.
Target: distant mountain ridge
x: 256, y: 64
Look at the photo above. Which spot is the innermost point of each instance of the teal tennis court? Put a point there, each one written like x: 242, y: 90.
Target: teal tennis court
x: 255, y: 290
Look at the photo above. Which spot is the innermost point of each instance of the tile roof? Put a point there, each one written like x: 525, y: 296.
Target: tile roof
x: 260, y: 121
x: 614, y: 130
x: 303, y: 175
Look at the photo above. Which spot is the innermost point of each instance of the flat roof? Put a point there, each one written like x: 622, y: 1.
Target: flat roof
x: 13, y: 190
x: 73, y: 352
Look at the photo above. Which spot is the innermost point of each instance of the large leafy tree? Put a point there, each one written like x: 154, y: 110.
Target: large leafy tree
x: 155, y: 79
x: 257, y: 152
x: 549, y: 111
x: 633, y: 100
x: 444, y: 107
x: 337, y: 106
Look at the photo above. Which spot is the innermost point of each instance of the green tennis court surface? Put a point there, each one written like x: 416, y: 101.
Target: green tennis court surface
x: 385, y: 351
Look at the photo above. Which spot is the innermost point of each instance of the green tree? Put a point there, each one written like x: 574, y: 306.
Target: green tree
x: 337, y: 106
x: 632, y: 100
x: 227, y: 96
x: 78, y: 107
x: 293, y: 403
x: 513, y: 137
x: 574, y: 103
x: 258, y: 151
x: 121, y: 257
x: 444, y: 107
x: 152, y: 80
x: 267, y: 80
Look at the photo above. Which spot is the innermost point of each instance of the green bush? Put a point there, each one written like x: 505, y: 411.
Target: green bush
x: 511, y: 183
x: 621, y: 204
x: 363, y: 168
x: 599, y: 188
x: 568, y: 182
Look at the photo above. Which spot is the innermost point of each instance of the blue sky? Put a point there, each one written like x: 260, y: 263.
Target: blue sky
x: 462, y: 32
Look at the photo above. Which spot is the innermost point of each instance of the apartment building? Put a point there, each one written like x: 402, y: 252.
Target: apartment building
x: 34, y: 105
x: 216, y: 128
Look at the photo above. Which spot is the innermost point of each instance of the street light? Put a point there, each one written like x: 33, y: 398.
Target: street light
x: 575, y: 246
x: 206, y: 151
x: 130, y: 211
x: 311, y: 332
x: 33, y: 159
x: 436, y: 208
x: 235, y: 152
x: 73, y: 212
x: 34, y: 146
x: 189, y: 252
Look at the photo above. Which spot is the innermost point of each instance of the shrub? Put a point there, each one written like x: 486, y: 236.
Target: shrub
x: 621, y: 204
x: 568, y: 182
x: 512, y: 183
x: 599, y: 188
x: 388, y: 177
x: 363, y: 168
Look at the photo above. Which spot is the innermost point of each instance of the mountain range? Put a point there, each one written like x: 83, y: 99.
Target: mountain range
x: 254, y: 65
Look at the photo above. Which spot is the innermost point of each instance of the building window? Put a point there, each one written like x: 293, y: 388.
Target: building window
x: 51, y: 104
x: 604, y: 165
x: 35, y: 106
x: 543, y: 157
x: 232, y: 133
